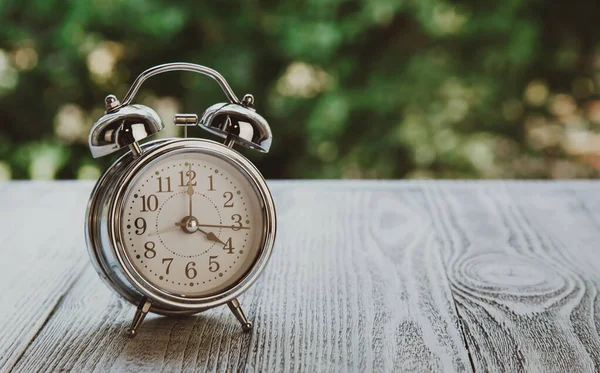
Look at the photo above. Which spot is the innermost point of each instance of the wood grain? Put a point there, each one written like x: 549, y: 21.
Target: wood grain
x: 42, y: 254
x: 521, y: 262
x: 365, y: 276
x: 356, y: 283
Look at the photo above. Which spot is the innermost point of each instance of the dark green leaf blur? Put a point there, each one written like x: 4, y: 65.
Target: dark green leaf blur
x: 352, y: 89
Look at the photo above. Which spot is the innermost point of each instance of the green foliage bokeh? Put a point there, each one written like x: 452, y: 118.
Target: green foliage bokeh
x: 352, y: 89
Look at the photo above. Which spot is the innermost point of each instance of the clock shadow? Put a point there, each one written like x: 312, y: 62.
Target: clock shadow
x: 202, y: 341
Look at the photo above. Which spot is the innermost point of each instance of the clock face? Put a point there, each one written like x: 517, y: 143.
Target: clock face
x: 192, y: 223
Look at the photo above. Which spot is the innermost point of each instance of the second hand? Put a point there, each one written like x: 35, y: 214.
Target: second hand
x: 215, y: 226
x: 178, y: 225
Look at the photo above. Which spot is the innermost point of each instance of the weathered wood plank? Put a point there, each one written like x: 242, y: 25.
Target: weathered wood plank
x: 522, y: 260
x: 86, y: 334
x: 41, y: 232
x: 356, y: 283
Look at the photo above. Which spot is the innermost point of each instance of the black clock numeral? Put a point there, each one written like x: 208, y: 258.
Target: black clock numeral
x: 149, y: 203
x: 170, y: 260
x: 213, y: 266
x: 190, y: 271
x: 150, y: 253
x: 229, y: 246
x: 229, y: 197
x: 187, y: 176
x: 237, y: 220
x: 210, y: 184
x: 140, y: 224
x: 161, y: 189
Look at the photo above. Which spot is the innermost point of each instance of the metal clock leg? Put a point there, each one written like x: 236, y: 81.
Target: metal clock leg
x: 235, y: 307
x: 140, y: 314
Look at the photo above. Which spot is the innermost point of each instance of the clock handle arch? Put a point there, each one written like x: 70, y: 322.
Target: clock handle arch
x: 125, y: 124
x: 179, y: 66
x: 236, y: 121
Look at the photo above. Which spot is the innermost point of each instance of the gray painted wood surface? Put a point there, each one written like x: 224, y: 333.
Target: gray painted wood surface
x: 365, y: 276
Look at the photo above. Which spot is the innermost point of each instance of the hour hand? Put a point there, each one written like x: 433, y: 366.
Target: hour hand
x: 193, y: 227
x: 211, y: 236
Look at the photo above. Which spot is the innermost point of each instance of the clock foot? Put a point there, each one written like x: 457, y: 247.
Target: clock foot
x: 235, y: 307
x: 140, y: 314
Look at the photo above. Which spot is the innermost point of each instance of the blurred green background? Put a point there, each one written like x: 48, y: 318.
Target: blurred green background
x: 352, y: 89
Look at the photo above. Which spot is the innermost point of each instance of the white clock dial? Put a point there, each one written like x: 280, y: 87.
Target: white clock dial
x: 192, y: 224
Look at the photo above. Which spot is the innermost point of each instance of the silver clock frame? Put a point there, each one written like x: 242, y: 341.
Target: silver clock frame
x: 103, y: 233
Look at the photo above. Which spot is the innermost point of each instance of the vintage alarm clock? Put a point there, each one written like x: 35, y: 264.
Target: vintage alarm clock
x: 177, y: 226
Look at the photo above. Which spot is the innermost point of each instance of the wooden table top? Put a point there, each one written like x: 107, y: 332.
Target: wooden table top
x: 365, y: 276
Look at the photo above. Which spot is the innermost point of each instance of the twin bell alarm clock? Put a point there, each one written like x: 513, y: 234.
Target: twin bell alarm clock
x: 177, y: 226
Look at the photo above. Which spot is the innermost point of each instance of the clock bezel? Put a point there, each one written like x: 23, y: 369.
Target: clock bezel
x: 186, y: 302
